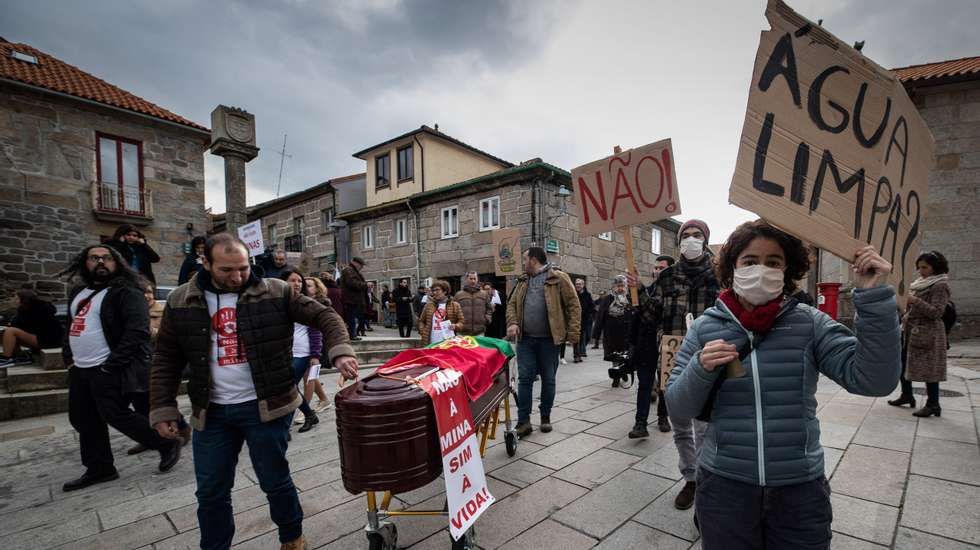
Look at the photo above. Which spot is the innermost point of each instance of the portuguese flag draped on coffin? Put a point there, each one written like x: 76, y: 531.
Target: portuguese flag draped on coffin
x: 478, y: 358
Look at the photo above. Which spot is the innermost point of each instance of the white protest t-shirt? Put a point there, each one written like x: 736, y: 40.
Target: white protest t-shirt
x: 231, y: 375
x: 495, y: 301
x: 442, y: 328
x: 89, y: 347
x: 301, y: 340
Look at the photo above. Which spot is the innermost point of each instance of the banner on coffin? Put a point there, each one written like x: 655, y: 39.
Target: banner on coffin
x: 633, y: 187
x: 467, y: 493
x: 832, y: 148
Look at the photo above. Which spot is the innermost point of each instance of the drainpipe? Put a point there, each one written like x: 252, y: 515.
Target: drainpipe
x: 422, y: 163
x: 418, y: 243
x: 534, y: 210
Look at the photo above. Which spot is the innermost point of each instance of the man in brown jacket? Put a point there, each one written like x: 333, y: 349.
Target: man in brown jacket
x: 542, y: 312
x: 354, y: 288
x: 477, y: 311
x: 235, y: 332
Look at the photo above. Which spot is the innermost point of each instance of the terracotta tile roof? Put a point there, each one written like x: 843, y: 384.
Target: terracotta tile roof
x: 964, y: 67
x: 54, y: 74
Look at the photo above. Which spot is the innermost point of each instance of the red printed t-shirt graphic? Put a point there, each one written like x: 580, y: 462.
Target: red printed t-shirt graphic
x: 225, y: 325
x: 78, y: 322
x: 439, y: 315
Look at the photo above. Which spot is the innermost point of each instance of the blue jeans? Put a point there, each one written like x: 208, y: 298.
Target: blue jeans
x: 216, y: 450
x: 535, y: 357
x: 300, y: 364
x: 739, y: 516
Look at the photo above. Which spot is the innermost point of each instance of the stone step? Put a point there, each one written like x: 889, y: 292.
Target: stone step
x: 32, y: 403
x: 33, y: 378
x: 373, y: 343
x: 378, y: 356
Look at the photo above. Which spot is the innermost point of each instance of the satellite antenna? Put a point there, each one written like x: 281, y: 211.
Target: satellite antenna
x: 282, y: 162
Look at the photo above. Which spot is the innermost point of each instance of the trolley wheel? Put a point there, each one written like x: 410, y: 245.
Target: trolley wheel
x: 376, y: 541
x: 466, y: 542
x: 510, y: 441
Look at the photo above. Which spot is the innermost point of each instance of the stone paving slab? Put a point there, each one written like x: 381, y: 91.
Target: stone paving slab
x: 949, y: 460
x: 943, y: 508
x: 636, y: 536
x: 597, y: 468
x: 663, y: 463
x: 844, y: 542
x: 662, y: 515
x: 908, y: 539
x: 872, y: 474
x: 567, y: 451
x: 550, y: 534
x: 864, y: 519
x: 609, y: 505
x: 952, y: 426
x: 522, y: 473
x: 524, y: 509
x: 897, y: 435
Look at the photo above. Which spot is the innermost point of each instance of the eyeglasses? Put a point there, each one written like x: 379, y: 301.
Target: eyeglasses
x: 105, y: 258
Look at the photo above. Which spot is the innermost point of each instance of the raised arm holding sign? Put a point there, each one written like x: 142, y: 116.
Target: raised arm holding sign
x: 832, y: 149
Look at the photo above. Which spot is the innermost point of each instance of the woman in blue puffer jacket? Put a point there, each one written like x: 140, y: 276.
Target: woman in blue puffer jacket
x: 750, y: 366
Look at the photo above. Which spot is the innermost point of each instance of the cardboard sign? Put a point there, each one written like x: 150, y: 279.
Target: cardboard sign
x: 251, y: 234
x: 832, y: 149
x: 669, y: 345
x: 627, y: 188
x: 467, y: 493
x: 507, y: 251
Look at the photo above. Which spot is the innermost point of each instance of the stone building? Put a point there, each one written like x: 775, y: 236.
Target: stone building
x: 438, y: 222
x: 947, y: 95
x: 300, y: 223
x: 80, y: 157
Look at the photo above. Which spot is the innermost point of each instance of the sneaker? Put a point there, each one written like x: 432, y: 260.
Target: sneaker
x: 523, y: 429
x: 322, y: 406
x: 639, y: 431
x: 7, y: 362
x: 685, y: 499
x: 299, y: 418
x: 545, y: 424
x: 563, y: 362
x: 24, y: 358
x: 663, y: 424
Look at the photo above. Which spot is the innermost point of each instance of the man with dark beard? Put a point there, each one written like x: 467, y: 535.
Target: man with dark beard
x: 108, y: 341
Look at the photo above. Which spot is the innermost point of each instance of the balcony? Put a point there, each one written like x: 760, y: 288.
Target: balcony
x: 135, y: 206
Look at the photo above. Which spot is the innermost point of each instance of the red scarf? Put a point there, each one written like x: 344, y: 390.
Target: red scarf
x: 759, y: 319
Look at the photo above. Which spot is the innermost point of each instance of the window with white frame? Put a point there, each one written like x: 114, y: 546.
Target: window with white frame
x: 367, y: 237
x: 401, y: 231
x: 490, y: 214
x: 272, y: 233
x: 450, y: 222
x: 607, y: 236
x: 655, y: 241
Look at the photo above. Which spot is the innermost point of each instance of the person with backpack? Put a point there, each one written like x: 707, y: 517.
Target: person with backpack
x: 925, y: 334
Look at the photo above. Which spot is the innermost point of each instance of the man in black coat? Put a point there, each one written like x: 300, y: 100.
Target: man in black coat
x: 588, y: 306
x: 131, y: 245
x: 106, y: 349
x: 402, y: 296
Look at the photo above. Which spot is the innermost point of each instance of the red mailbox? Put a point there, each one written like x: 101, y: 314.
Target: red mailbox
x: 828, y: 294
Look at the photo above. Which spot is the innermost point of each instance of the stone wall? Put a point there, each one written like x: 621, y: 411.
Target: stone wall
x: 47, y: 167
x: 953, y: 115
x: 318, y: 242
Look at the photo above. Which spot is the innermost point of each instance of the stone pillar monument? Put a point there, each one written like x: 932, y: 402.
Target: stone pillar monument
x: 233, y: 138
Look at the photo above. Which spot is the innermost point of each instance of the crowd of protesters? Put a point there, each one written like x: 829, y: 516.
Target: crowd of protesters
x: 127, y: 355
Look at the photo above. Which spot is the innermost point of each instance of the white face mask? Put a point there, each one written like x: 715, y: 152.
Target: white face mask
x: 758, y: 284
x: 692, y: 248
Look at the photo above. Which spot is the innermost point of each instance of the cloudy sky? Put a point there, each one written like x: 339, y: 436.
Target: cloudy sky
x: 560, y: 80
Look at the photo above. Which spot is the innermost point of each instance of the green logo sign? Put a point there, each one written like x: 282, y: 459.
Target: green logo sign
x: 551, y: 247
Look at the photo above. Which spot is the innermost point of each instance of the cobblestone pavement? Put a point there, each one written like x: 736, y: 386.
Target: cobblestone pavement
x: 898, y: 481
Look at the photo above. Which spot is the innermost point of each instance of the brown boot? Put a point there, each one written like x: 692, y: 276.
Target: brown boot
x: 523, y: 429
x: 298, y: 544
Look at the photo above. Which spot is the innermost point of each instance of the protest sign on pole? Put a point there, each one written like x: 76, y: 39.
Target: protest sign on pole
x: 832, y: 148
x: 627, y: 188
x: 251, y: 235
x: 467, y: 492
x: 507, y: 251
